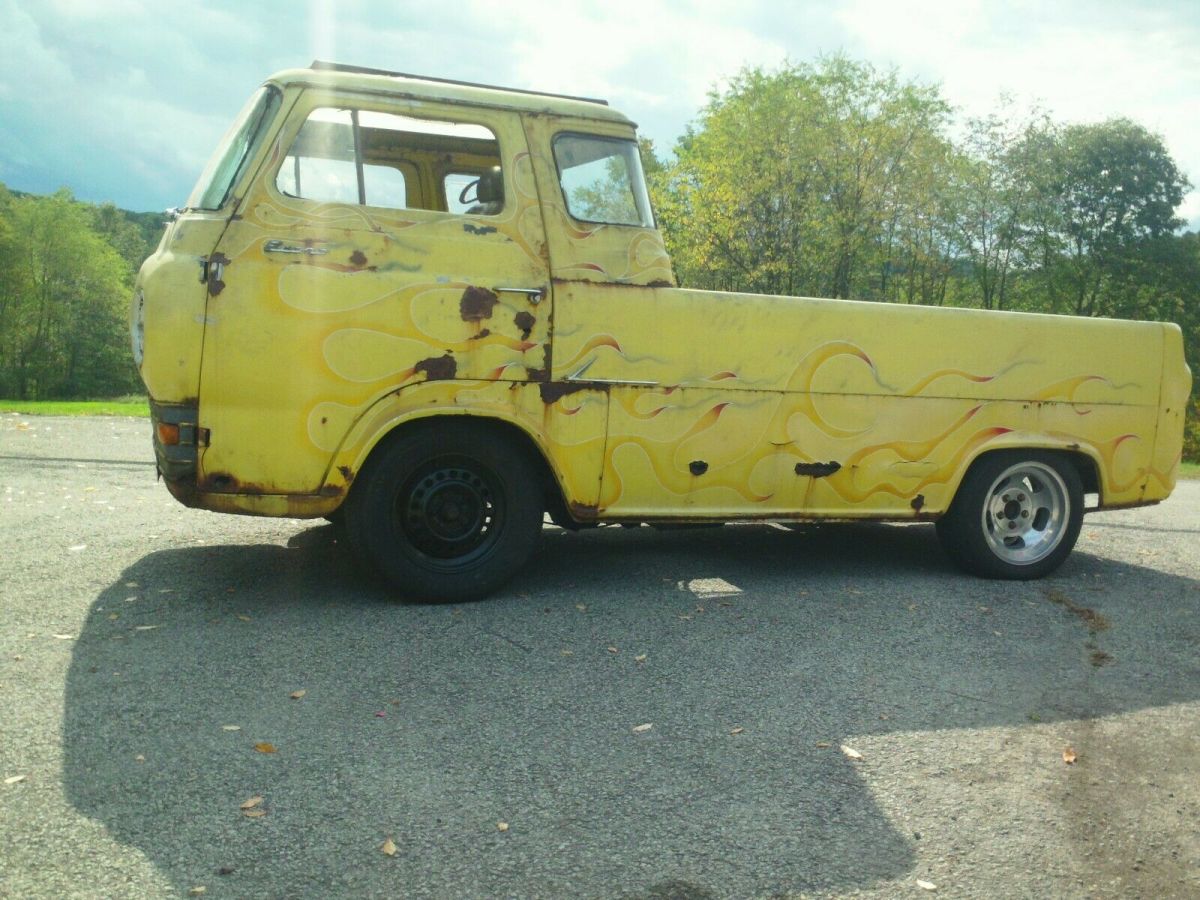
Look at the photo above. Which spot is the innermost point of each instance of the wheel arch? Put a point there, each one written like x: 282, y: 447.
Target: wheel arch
x: 1086, y: 461
x: 520, y: 436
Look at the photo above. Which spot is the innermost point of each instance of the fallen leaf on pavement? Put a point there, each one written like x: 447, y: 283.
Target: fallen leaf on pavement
x: 502, y: 826
x: 1069, y: 755
x: 640, y: 729
x: 851, y: 752
x: 613, y: 650
x: 824, y: 745
x: 381, y: 714
x: 264, y: 747
x: 245, y: 619
x: 640, y: 658
x: 567, y: 652
x: 737, y: 730
x: 926, y: 885
x: 582, y: 607
x: 65, y: 637
x: 389, y: 846
x: 256, y: 813
x: 296, y: 695
x: 252, y: 802
x: 77, y: 548
x: 14, y: 779
x: 231, y: 727
x: 145, y: 627
x: 139, y: 758
x: 198, y: 890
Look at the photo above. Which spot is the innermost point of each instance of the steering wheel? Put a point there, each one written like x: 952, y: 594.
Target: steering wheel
x: 462, y: 195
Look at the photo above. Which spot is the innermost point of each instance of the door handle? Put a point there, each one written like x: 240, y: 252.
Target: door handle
x: 534, y: 294
x: 281, y: 247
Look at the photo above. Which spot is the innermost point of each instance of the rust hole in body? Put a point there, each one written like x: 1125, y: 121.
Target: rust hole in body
x: 437, y: 368
x: 477, y: 304
x: 553, y: 391
x: 817, y: 469
x: 524, y: 320
x: 478, y: 337
x: 347, y: 474
x: 358, y: 258
x: 917, y: 502
x: 697, y: 467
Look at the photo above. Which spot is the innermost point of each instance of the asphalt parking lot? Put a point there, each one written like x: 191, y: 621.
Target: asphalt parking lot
x: 834, y: 710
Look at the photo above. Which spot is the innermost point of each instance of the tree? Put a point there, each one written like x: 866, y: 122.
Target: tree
x: 1102, y: 190
x: 788, y: 180
x: 63, y: 303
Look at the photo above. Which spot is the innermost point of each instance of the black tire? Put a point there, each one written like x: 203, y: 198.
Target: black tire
x: 446, y: 512
x: 1016, y: 515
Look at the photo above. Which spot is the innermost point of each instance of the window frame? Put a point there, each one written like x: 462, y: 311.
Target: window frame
x: 412, y: 173
x: 609, y: 139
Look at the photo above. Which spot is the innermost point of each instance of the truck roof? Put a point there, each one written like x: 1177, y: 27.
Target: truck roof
x: 355, y: 78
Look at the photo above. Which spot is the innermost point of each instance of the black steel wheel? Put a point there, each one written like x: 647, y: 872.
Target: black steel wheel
x: 1016, y: 515
x: 448, y: 511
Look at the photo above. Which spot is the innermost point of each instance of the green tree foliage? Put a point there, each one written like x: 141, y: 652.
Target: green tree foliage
x: 66, y: 271
x: 809, y: 180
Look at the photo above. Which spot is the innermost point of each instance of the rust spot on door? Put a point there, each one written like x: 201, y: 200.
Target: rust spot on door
x: 697, y: 467
x: 437, y: 368
x: 477, y: 304
x: 358, y: 258
x: 525, y: 321
x: 917, y: 502
x: 347, y: 474
x: 481, y: 335
x: 817, y: 469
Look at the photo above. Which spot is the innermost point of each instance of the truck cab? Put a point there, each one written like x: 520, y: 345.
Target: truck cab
x: 437, y: 311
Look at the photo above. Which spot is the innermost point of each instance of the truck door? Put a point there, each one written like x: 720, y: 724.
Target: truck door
x: 385, y: 242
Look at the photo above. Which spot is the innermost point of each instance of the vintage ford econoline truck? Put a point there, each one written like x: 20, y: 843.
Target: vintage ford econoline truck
x: 437, y: 311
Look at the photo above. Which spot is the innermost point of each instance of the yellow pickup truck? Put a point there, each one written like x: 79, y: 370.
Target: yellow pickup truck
x: 438, y: 311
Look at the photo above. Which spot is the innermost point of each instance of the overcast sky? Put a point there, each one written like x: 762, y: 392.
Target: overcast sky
x: 123, y: 100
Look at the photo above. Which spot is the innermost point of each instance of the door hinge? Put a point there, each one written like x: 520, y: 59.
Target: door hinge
x: 211, y: 270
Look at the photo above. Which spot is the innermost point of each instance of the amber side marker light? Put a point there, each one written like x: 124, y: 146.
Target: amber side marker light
x: 168, y: 435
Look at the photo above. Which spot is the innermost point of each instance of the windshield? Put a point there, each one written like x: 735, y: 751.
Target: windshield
x: 227, y: 164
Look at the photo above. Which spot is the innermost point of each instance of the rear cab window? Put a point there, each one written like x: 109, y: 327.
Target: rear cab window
x: 602, y: 180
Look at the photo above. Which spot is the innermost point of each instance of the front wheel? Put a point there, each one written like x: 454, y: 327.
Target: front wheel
x: 446, y: 513
x: 1016, y: 515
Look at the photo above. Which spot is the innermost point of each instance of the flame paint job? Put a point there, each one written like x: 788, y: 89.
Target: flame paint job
x: 797, y: 407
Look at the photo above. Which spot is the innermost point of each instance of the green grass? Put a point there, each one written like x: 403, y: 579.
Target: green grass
x: 1189, y: 470
x: 121, y: 406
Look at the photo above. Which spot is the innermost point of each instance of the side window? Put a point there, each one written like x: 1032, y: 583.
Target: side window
x: 602, y: 180
x: 378, y: 159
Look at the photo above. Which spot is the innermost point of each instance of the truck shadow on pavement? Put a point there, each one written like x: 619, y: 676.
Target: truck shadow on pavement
x: 432, y: 724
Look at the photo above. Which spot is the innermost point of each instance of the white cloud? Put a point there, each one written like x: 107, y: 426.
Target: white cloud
x: 148, y: 89
x: 1083, y: 61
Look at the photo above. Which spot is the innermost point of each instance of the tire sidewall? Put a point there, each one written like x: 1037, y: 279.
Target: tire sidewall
x: 962, y: 532
x: 372, y: 525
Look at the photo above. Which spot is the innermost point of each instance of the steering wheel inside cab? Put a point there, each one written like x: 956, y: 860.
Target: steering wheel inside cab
x: 485, y: 194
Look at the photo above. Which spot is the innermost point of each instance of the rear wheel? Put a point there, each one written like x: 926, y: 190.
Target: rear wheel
x: 1016, y: 515
x: 448, y: 512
